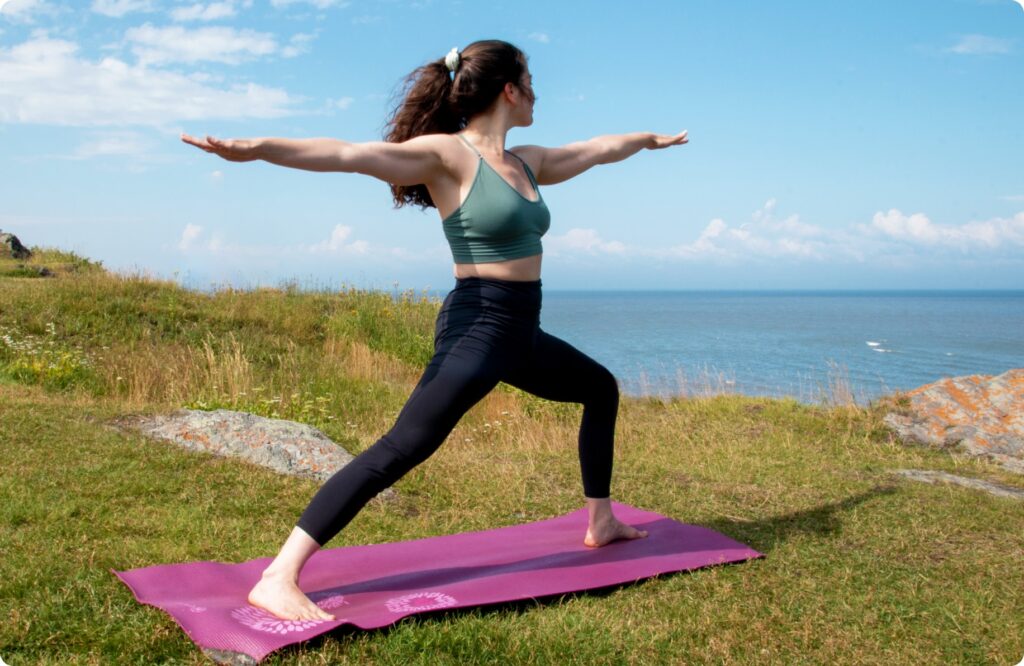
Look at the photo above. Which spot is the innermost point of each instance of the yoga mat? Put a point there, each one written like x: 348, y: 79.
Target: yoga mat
x: 377, y: 585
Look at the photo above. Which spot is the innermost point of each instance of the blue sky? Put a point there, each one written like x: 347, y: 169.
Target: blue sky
x: 839, y: 145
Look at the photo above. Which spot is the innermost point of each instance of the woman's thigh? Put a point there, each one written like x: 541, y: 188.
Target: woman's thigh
x: 461, y: 373
x: 556, y: 370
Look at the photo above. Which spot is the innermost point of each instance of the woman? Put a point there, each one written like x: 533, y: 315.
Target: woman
x: 446, y: 149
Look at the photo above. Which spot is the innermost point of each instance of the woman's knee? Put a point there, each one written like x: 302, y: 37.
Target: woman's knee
x: 604, y: 388
x: 394, y: 454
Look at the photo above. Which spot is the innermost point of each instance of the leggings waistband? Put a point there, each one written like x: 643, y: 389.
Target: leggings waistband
x: 510, y: 294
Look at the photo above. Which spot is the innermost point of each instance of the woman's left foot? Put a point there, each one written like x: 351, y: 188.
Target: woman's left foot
x: 610, y: 530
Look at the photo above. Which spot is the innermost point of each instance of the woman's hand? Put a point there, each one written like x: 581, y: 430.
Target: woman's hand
x: 664, y: 141
x: 235, y: 150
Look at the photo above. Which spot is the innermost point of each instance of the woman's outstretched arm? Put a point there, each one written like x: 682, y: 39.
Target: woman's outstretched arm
x: 561, y: 164
x: 411, y: 162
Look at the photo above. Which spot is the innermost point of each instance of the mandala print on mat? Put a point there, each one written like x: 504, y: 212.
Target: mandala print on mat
x: 419, y: 601
x: 262, y: 620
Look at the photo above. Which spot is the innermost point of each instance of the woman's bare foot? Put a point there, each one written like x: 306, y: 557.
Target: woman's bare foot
x: 605, y: 531
x: 282, y: 598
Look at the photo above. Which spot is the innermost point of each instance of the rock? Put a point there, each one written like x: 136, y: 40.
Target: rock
x: 284, y: 446
x: 932, y: 476
x: 980, y: 415
x: 12, y: 247
x: 227, y: 657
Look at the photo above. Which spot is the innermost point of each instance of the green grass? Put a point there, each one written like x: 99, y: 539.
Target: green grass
x: 862, y: 567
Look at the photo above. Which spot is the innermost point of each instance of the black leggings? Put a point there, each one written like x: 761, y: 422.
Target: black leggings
x: 487, y: 331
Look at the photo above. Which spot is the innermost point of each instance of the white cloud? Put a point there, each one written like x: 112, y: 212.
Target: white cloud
x: 980, y: 44
x: 337, y: 243
x: 541, y: 37
x: 319, y: 4
x: 584, y: 240
x: 891, y: 236
x: 113, y: 143
x: 22, y: 11
x: 44, y: 81
x: 218, y: 44
x: 341, y: 103
x: 189, y: 235
x: 298, y: 44
x: 918, y: 229
x: 118, y: 8
x: 200, y: 12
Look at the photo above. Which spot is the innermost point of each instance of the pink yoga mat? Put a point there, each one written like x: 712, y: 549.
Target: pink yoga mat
x: 377, y: 585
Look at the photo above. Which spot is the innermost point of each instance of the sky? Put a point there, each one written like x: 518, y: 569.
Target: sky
x: 832, y: 145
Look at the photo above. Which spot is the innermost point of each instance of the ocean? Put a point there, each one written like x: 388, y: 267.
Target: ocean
x: 810, y: 345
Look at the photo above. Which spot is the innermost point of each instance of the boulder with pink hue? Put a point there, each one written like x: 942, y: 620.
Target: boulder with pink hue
x: 981, y: 415
x: 284, y: 446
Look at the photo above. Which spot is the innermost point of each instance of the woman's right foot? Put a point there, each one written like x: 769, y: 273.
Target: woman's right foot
x: 282, y: 598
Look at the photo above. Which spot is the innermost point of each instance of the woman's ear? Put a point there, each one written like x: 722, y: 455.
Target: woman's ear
x: 511, y: 90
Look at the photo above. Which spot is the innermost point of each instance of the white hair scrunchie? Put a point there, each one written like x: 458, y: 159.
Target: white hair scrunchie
x: 452, y: 59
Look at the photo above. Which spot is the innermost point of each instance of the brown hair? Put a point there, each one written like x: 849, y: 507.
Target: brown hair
x: 432, y: 102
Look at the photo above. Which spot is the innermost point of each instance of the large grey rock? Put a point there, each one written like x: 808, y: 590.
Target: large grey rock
x: 12, y: 247
x: 980, y: 415
x: 283, y: 446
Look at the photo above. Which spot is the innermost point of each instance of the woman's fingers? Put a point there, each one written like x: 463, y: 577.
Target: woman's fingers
x: 236, y: 150
x: 198, y: 143
x: 663, y: 140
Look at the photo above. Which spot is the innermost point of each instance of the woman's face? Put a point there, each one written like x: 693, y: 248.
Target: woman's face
x: 526, y: 87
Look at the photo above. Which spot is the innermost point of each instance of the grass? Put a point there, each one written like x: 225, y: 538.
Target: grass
x: 862, y: 567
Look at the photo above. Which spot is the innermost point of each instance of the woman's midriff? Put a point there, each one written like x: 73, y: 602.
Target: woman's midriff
x: 525, y: 269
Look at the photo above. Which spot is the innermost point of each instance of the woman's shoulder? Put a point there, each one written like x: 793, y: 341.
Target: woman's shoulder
x: 532, y: 155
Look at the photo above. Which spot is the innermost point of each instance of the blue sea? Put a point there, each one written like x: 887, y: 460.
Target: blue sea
x: 810, y: 345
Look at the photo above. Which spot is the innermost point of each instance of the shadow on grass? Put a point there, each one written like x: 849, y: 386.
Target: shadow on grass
x: 824, y: 520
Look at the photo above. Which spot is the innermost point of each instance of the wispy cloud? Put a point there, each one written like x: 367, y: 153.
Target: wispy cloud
x: 189, y: 236
x: 118, y: 8
x: 113, y: 143
x: 339, y: 243
x: 918, y: 230
x: 25, y: 11
x: 298, y: 44
x: 541, y: 37
x: 319, y: 4
x: 44, y: 81
x: 201, y: 12
x: 981, y: 45
x: 153, y: 45
x: 765, y: 237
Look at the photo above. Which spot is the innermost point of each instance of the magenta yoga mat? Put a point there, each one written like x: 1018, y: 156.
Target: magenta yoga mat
x: 377, y: 585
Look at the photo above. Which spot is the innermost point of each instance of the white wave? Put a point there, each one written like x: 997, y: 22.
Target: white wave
x: 873, y: 344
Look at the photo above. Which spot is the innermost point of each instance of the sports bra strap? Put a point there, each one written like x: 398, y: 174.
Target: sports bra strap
x: 529, y: 172
x: 526, y: 166
x: 470, y: 145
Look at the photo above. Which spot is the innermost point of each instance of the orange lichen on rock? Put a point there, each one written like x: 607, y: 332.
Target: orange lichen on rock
x: 978, y: 414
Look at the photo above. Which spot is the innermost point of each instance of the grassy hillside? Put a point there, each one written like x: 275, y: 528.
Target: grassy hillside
x: 862, y: 567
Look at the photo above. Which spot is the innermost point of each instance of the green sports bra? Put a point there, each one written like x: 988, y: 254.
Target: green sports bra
x: 496, y: 222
